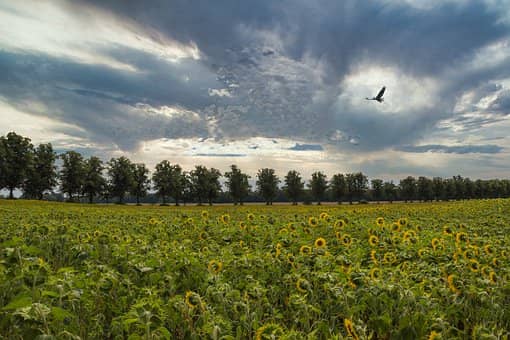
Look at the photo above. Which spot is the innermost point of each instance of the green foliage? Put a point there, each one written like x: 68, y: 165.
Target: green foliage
x: 318, y: 186
x: 41, y: 175
x: 237, y: 184
x: 15, y: 160
x: 94, y: 183
x: 121, y: 177
x: 267, y: 184
x: 399, y: 271
x: 72, y: 173
x: 294, y: 186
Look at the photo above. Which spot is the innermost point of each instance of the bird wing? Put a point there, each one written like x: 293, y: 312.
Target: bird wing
x: 381, y: 93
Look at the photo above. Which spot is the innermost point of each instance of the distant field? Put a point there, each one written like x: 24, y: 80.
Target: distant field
x: 388, y: 271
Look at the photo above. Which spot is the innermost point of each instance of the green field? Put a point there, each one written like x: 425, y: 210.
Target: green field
x: 389, y: 271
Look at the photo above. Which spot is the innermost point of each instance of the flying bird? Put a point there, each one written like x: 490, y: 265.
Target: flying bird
x: 379, y: 96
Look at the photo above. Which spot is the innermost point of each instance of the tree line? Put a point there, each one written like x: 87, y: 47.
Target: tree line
x: 33, y: 170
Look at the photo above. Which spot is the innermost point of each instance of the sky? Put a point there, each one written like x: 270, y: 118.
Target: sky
x: 279, y: 84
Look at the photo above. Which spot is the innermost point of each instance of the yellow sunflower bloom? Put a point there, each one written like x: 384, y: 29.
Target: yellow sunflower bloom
x: 312, y: 222
x: 305, y: 250
x: 302, y: 285
x: 349, y: 327
x: 214, y: 266
x: 373, y: 241
x: 320, y: 242
x: 379, y: 221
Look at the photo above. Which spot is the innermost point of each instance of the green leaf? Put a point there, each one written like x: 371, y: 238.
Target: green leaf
x: 60, y: 314
x: 19, y: 302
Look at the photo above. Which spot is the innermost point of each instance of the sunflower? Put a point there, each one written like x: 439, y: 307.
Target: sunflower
x: 452, y: 284
x: 422, y: 252
x: 250, y: 217
x: 504, y: 253
x: 375, y: 273
x: 434, y: 336
x: 396, y: 240
x: 291, y: 226
x: 493, y: 277
x: 469, y: 254
x: 485, y: 271
x: 373, y: 257
x: 312, y: 222
x: 320, y: 242
x: 435, y: 243
x: 496, y: 262
x: 323, y: 216
x: 489, y: 249
x: 346, y: 240
x: 461, y: 237
x: 214, y: 266
x: 205, y: 214
x: 402, y: 222
x: 474, y: 266
x: 225, y: 219
x: 409, y: 234
x: 97, y: 233
x: 390, y: 258
x: 291, y: 259
x: 373, y: 241
x: 302, y: 285
x: 379, y: 221
x: 305, y: 250
x: 242, y: 225
x: 192, y: 299
x: 395, y: 227
x: 283, y: 231
x: 447, y: 230
x: 349, y: 327
x: 339, y: 224
x: 203, y: 235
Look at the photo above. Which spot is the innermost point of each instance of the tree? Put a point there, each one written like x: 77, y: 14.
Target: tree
x: 120, y: 173
x: 438, y: 188
x: 408, y: 188
x: 42, y: 173
x: 94, y: 183
x: 360, y: 185
x: 350, y: 186
x: 377, y: 189
x: 267, y: 184
x: 237, y: 184
x: 318, y: 186
x: 338, y: 187
x: 390, y: 191
x: 72, y: 173
x: 213, y: 184
x: 425, y: 189
x: 204, y: 183
x: 141, y: 181
x: 169, y: 181
x: 294, y: 186
x: 450, y: 190
x: 15, y: 162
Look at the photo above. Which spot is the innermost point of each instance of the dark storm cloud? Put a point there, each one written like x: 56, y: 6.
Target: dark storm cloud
x: 113, y: 106
x: 306, y: 147
x: 460, y: 149
x: 267, y: 68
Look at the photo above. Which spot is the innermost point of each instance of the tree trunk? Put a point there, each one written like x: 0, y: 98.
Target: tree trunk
x: 137, y: 200
x: 91, y: 198
x: 11, y: 196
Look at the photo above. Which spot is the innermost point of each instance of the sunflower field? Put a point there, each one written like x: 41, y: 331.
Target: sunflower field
x: 378, y: 271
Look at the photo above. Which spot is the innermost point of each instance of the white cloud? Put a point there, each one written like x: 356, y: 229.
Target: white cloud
x: 47, y: 27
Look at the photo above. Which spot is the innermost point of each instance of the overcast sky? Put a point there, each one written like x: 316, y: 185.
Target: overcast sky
x: 264, y: 83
